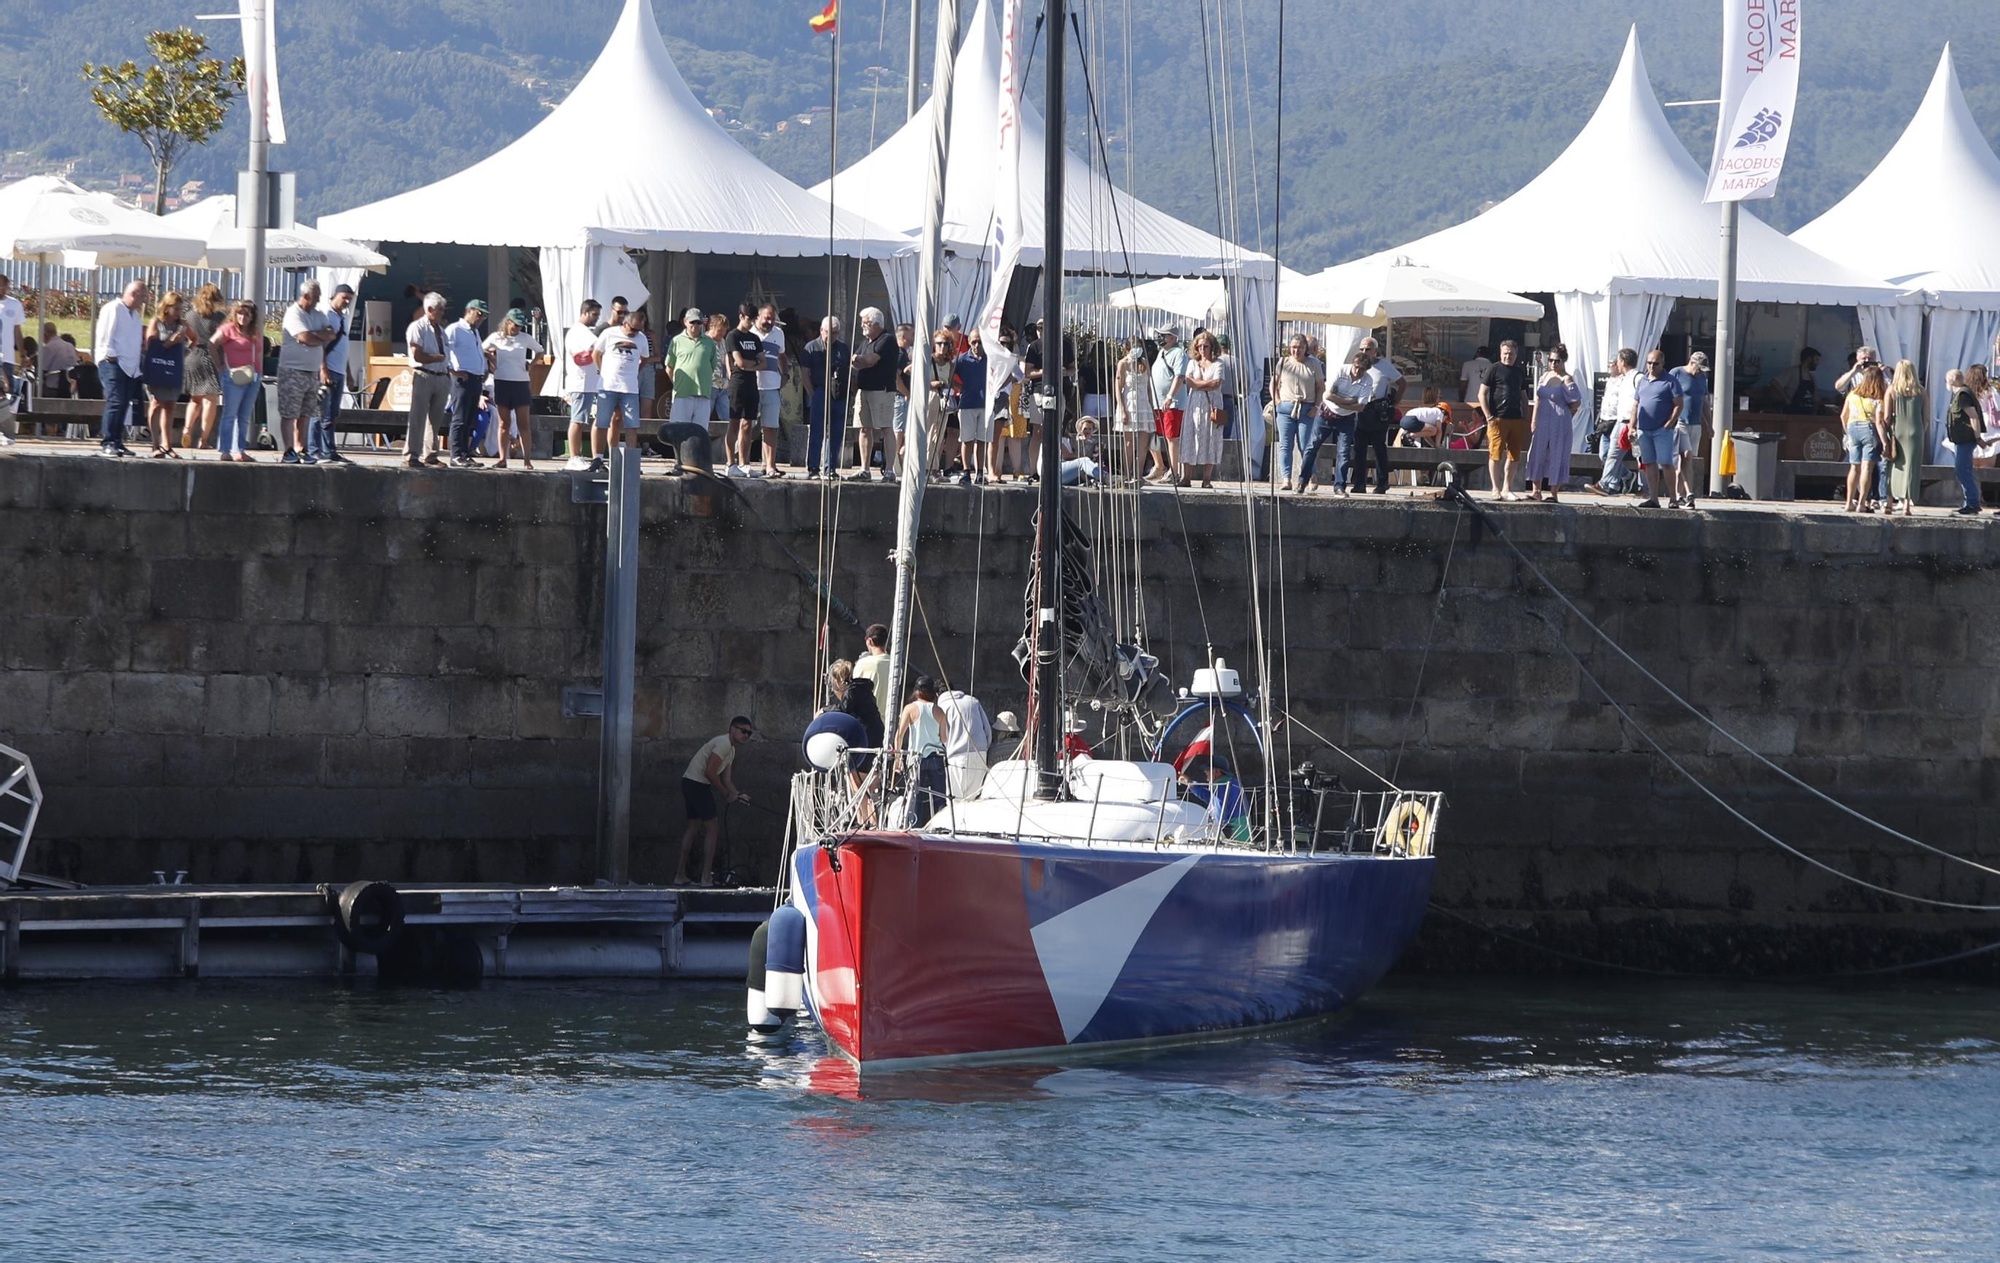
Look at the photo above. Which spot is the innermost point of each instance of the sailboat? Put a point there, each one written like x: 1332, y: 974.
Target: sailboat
x: 1079, y: 904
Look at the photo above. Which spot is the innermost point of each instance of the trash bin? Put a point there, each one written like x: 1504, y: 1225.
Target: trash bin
x: 1757, y: 462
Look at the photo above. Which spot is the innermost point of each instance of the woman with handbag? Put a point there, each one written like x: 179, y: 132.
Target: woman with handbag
x: 164, y: 368
x: 201, y: 381
x: 1205, y: 419
x: 1296, y: 386
x: 1906, y: 444
x: 238, y: 348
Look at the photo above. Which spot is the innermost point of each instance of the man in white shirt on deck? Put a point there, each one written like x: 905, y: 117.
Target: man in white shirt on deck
x: 967, y: 736
x: 580, y: 345
x: 430, y: 383
x: 1615, y: 416
x: 1472, y: 375
x: 120, y: 346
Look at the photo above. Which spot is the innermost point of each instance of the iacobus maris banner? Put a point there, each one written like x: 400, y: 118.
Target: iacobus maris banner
x: 1760, y: 90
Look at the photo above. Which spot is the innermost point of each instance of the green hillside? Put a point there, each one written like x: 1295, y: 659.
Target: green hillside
x: 1397, y: 120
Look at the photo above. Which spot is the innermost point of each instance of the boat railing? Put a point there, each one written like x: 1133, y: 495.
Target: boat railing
x: 837, y: 800
x: 1318, y: 819
x: 20, y: 804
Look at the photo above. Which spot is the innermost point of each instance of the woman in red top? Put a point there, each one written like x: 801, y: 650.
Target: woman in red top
x: 238, y: 347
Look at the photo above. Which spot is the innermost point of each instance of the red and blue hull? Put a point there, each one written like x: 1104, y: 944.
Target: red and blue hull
x: 923, y: 949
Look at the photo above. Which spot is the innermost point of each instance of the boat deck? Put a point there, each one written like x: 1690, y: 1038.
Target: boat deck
x: 454, y: 931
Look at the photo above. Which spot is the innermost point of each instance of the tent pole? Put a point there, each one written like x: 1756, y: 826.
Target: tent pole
x: 1724, y: 386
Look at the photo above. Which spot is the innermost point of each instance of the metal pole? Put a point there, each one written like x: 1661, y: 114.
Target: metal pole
x: 916, y: 456
x: 910, y: 88
x: 1048, y: 625
x: 621, y: 629
x: 256, y: 74
x: 1724, y: 391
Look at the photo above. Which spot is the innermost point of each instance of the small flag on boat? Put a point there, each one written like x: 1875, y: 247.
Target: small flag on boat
x: 824, y: 22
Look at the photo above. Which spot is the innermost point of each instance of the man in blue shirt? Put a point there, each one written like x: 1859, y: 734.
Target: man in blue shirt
x: 825, y: 361
x: 1656, y: 410
x: 1693, y: 381
x: 465, y: 357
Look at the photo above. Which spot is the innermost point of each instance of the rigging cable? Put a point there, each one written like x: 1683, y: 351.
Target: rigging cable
x: 1695, y: 711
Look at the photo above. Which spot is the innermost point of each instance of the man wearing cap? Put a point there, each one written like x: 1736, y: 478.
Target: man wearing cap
x: 430, y: 383
x: 1693, y: 380
x: 580, y: 345
x: 957, y: 335
x: 465, y: 359
x: 332, y: 381
x: 707, y: 774
x: 301, y: 364
x: 691, y: 366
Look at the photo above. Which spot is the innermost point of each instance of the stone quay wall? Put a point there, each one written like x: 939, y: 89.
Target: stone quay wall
x: 263, y: 674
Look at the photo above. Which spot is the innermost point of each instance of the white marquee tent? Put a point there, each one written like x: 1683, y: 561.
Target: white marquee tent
x: 1106, y: 230
x: 628, y: 159
x: 49, y: 219
x: 1616, y: 263
x: 1928, y: 218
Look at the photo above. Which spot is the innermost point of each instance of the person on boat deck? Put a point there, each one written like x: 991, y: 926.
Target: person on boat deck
x: 836, y: 719
x: 1006, y: 737
x: 920, y: 736
x: 875, y: 654
x: 707, y: 772
x: 967, y: 735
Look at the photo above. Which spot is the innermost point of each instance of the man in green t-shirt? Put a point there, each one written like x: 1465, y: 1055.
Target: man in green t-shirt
x: 691, y: 364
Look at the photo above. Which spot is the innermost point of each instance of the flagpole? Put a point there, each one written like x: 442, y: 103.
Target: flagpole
x: 1724, y: 391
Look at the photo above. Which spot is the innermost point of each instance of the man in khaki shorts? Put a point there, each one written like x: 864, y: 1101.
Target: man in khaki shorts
x: 876, y: 359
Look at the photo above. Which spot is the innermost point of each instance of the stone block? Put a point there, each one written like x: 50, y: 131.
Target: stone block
x: 372, y: 762
x: 325, y: 535
x: 24, y: 703
x: 482, y: 707
x: 318, y: 705
x: 234, y: 535
x: 360, y: 649
x: 430, y: 762
x: 504, y: 596
x: 163, y: 646
x: 143, y: 702
x: 124, y: 487
x: 209, y: 589
x: 238, y: 706
x: 158, y: 535
x: 89, y: 532
x: 344, y: 591
x: 199, y: 762
x: 408, y: 706
x: 205, y: 646
x: 539, y: 764
x: 1928, y: 636
x: 20, y: 484
x: 80, y: 701
x: 1828, y: 536
x: 393, y: 541
x: 427, y: 596
x: 538, y: 711
x: 123, y: 759
x: 274, y: 590
x: 280, y: 761
x: 273, y: 648
x: 1757, y: 534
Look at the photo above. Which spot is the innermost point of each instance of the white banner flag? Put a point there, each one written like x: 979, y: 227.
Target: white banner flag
x: 261, y: 81
x: 1760, y: 88
x: 1007, y: 230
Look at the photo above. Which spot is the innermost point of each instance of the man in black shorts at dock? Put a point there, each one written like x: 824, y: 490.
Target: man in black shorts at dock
x: 708, y: 774
x: 743, y: 348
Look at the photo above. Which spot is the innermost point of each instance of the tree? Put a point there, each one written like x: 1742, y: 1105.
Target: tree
x: 178, y: 101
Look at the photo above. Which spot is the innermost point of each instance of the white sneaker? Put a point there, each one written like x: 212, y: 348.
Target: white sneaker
x: 734, y: 471
x: 577, y: 464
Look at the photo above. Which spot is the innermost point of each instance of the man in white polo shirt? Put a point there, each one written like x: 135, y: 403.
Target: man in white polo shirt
x: 120, y: 345
x: 580, y: 344
x: 430, y: 384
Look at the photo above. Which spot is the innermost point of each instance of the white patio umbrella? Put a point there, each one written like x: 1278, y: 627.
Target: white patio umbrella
x: 44, y: 216
x: 1198, y: 298
x: 213, y: 220
x: 1367, y: 292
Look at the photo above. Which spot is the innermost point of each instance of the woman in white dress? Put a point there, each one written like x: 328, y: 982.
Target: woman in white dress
x: 1133, y: 387
x: 508, y: 355
x: 1205, y: 421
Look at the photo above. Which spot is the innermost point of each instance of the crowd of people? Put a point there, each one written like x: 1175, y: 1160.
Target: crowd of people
x: 784, y: 398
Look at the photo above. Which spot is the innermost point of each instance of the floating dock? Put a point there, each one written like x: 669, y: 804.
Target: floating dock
x: 460, y: 933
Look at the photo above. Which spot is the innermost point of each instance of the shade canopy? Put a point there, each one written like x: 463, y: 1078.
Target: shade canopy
x: 45, y: 216
x: 1655, y: 236
x: 1928, y: 216
x: 1106, y: 229
x: 629, y: 158
x: 213, y: 220
x: 1199, y: 298
x: 1367, y: 293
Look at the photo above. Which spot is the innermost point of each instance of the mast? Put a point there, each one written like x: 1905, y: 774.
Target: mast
x: 1048, y: 624
x: 916, y: 456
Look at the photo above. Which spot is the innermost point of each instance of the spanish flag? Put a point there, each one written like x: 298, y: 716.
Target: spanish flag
x: 824, y: 22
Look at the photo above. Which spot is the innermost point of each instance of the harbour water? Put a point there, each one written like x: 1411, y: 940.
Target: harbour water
x: 1442, y: 1119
